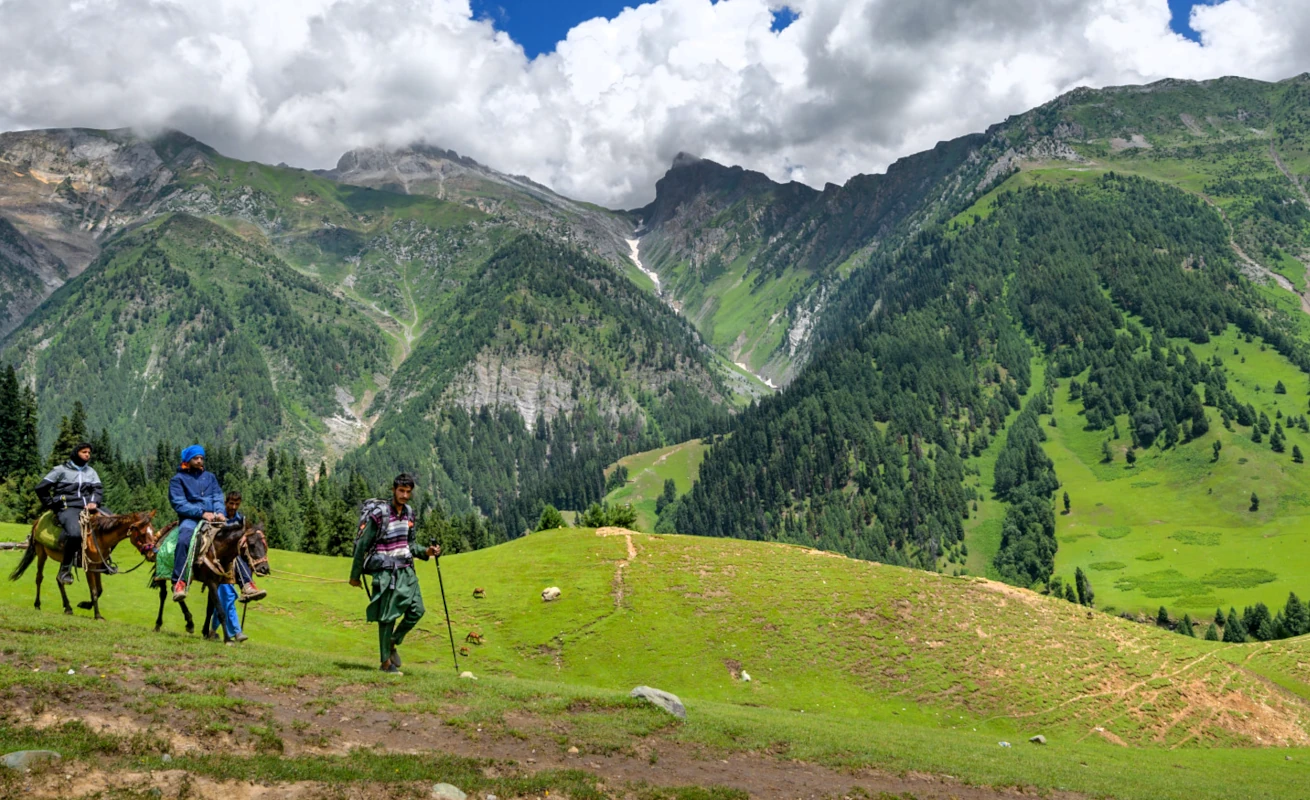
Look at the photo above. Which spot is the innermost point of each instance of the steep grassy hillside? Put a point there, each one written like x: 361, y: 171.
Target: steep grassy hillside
x: 647, y: 473
x: 851, y: 663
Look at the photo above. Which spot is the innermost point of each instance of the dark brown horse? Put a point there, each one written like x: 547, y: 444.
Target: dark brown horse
x: 107, y: 530
x: 221, y: 554
x: 254, y: 549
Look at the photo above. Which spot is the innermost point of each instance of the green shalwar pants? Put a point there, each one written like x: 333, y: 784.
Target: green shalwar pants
x: 396, y: 605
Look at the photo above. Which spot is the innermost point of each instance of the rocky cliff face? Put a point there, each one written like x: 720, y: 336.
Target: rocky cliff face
x: 433, y: 171
x: 62, y: 192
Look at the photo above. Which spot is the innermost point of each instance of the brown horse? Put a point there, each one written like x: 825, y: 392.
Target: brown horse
x: 107, y: 530
x: 254, y: 549
x: 222, y: 553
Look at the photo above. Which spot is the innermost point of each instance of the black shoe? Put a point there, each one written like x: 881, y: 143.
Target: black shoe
x: 391, y: 669
x: 65, y: 575
x: 395, y: 657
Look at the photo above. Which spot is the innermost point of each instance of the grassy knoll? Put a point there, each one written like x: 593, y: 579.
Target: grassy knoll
x: 1177, y: 529
x: 853, y: 664
x: 646, y: 475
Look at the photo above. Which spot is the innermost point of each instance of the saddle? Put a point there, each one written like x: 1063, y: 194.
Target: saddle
x: 200, y: 552
x: 48, y: 531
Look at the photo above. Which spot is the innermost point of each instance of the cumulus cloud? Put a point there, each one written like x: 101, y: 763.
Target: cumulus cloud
x: 847, y: 88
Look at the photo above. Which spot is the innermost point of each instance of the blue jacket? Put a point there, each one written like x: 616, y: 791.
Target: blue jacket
x: 194, y: 494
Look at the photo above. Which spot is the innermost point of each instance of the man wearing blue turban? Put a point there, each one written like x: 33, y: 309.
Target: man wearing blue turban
x: 195, y: 495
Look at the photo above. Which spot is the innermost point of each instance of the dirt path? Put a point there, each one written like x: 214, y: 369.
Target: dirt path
x: 623, y: 564
x: 535, y: 746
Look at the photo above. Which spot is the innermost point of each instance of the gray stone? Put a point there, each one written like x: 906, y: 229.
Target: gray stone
x: 444, y: 791
x: 550, y: 594
x: 26, y: 759
x: 166, y: 758
x: 1038, y: 739
x: 666, y: 701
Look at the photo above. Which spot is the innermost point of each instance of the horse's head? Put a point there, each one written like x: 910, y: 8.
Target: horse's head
x: 255, y: 548
x: 141, y: 533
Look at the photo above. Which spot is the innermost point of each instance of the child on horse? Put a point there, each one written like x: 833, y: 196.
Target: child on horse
x: 224, y: 609
x: 67, y: 490
x: 385, y: 550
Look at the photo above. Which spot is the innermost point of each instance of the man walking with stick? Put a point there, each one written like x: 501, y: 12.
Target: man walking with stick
x: 385, y: 551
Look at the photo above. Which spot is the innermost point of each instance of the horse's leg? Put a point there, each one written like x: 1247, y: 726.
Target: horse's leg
x: 97, y: 588
x: 159, y: 619
x: 68, y: 609
x: 90, y: 602
x: 190, y: 621
x: 40, y: 573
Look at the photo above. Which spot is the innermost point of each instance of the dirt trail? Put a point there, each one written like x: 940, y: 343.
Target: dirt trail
x: 622, y: 565
x: 534, y: 746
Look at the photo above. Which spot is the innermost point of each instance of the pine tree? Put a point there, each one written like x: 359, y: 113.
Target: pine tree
x: 1212, y: 633
x: 72, y: 432
x: 1255, y: 502
x: 1216, y: 447
x: 1234, y: 633
x: 1279, y: 388
x: 1185, y: 628
x: 666, y: 497
x: 1255, y: 434
x: 1066, y: 502
x: 1107, y: 455
x: 1131, y: 456
x: 1162, y: 617
x: 1297, y: 458
x: 1086, y: 596
x: 550, y: 519
x: 11, y: 415
x: 1296, y: 616
x: 1069, y: 593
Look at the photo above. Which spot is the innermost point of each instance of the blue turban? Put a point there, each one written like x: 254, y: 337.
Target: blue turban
x: 191, y: 452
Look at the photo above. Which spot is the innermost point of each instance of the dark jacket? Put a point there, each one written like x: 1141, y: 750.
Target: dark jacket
x: 195, y: 493
x: 70, y: 486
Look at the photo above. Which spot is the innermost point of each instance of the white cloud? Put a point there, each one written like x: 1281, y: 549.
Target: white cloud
x: 847, y: 88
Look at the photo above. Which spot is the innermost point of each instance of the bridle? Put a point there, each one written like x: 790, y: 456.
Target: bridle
x: 245, y: 548
x: 140, y: 534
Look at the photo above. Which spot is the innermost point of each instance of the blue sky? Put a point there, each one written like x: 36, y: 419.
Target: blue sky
x: 539, y: 24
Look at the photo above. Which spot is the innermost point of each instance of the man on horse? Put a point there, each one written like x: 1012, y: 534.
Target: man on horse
x: 384, y: 549
x: 67, y: 490
x: 195, y: 496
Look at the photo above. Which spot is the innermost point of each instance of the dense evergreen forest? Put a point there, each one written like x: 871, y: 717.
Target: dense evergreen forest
x: 866, y: 451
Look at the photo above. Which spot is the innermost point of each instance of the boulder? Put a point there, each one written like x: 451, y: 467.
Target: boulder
x: 1038, y: 739
x: 444, y: 791
x: 26, y: 759
x: 550, y: 594
x: 666, y: 701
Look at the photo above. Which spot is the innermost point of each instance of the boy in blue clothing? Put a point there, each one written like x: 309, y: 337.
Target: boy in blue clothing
x: 195, y: 496
x: 224, y: 610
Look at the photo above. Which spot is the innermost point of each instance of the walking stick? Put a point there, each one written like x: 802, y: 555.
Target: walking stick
x: 444, y: 608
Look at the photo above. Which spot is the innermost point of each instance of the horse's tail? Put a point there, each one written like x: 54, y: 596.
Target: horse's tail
x: 29, y: 556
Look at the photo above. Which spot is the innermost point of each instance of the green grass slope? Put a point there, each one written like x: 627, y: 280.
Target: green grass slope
x: 1176, y: 529
x: 852, y: 663
x: 647, y: 473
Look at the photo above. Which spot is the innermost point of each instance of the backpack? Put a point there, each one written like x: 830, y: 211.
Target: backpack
x: 370, y: 510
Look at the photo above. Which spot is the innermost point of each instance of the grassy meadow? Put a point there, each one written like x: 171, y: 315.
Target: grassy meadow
x: 851, y: 663
x: 646, y: 475
x: 1177, y: 528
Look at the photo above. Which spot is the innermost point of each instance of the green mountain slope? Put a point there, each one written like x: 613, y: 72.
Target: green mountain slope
x: 182, y: 331
x: 416, y: 276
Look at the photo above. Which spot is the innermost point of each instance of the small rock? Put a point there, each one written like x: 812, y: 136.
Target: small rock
x: 550, y: 594
x: 444, y: 791
x: 468, y: 676
x: 745, y: 676
x: 71, y: 672
x: 666, y: 701
x: 491, y: 797
x: 1004, y: 744
x: 573, y: 751
x: 1038, y: 739
x: 167, y: 759
x: 26, y: 759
